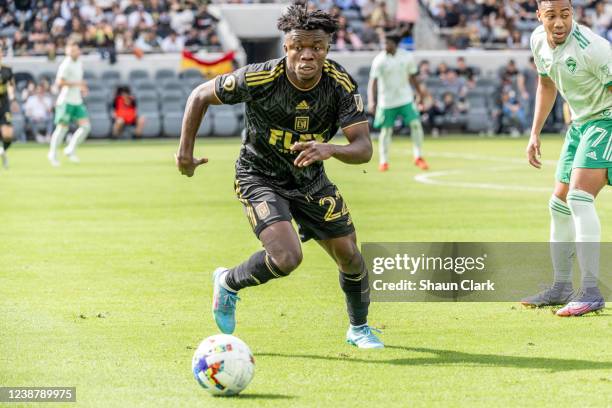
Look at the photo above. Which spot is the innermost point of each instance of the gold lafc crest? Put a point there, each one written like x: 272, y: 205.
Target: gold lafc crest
x: 262, y: 209
x: 358, y: 102
x: 302, y: 123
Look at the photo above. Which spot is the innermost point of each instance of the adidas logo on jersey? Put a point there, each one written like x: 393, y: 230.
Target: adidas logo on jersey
x: 592, y: 155
x: 302, y: 106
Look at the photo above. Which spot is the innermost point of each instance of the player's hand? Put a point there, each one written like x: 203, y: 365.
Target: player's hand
x: 84, y: 90
x: 187, y: 165
x: 311, y: 152
x: 14, y: 107
x: 533, y: 152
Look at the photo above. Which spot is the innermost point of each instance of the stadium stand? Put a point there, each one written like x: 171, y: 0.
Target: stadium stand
x: 461, y: 95
x: 495, y: 24
x: 42, y: 27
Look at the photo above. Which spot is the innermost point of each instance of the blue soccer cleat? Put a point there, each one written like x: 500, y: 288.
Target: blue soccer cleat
x: 363, y: 337
x: 558, y: 294
x: 223, y: 304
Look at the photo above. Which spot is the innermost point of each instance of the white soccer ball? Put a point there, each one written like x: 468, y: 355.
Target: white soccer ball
x: 223, y: 365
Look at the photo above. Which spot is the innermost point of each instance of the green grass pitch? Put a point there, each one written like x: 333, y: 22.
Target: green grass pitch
x: 105, y: 284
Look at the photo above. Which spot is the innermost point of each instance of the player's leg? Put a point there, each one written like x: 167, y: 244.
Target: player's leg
x: 281, y: 255
x: 562, y: 251
x: 384, y: 142
x: 62, y: 123
x: 413, y: 119
x: 353, y: 277
x: 118, y: 127
x: 7, y: 139
x: 584, y: 187
x: 269, y: 216
x: 82, y: 118
x: 562, y: 233
x: 384, y: 121
x: 592, y: 165
x: 324, y: 217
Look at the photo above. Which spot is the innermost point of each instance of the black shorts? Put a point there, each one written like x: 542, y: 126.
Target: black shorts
x: 321, y: 215
x: 6, y: 119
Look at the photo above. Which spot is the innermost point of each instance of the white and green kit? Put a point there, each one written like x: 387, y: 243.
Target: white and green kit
x: 581, y: 69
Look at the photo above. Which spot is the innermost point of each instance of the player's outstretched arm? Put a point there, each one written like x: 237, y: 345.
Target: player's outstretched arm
x: 545, y: 99
x: 357, y: 151
x: 11, y: 89
x: 372, y: 93
x: 197, y: 104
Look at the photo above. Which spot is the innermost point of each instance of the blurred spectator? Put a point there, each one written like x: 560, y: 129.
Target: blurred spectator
x: 105, y: 41
x: 37, y: 109
x: 139, y: 17
x: 508, y: 23
x: 345, y: 38
x: 367, y: 8
x: 369, y: 36
x: 181, y: 18
x: 516, y: 40
x: 204, y: 20
x: 110, y: 26
x: 602, y: 18
x: 147, y: 41
x: 513, y: 113
x: 442, y: 70
x: 527, y: 85
x: 173, y: 43
x: 454, y: 84
x: 424, y: 70
x: 28, y: 90
x: 20, y: 44
x: 510, y: 70
x: 380, y: 17
x: 348, y: 4
x: 125, y: 113
x: 462, y: 68
x: 446, y: 111
x: 193, y: 39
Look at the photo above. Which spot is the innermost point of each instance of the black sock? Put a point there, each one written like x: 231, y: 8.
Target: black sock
x: 256, y: 270
x: 357, y: 294
x: 6, y: 144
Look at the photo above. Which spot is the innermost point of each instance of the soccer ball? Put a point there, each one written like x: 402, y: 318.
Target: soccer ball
x: 223, y: 365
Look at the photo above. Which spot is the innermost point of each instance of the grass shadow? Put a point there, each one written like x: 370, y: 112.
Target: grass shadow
x: 265, y: 397
x: 451, y: 357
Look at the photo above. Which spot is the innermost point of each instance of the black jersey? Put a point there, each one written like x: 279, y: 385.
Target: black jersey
x: 6, y: 77
x: 278, y: 114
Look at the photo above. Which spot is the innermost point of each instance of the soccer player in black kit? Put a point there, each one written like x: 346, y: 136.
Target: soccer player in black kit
x: 7, y: 103
x: 294, y: 106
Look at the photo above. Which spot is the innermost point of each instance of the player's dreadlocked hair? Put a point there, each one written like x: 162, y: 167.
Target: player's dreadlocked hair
x: 298, y: 18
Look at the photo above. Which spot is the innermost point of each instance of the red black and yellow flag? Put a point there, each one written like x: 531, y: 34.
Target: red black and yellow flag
x: 209, y: 68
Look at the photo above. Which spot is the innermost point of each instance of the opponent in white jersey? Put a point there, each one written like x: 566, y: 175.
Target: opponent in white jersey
x: 390, y: 95
x: 69, y: 107
x: 576, y: 62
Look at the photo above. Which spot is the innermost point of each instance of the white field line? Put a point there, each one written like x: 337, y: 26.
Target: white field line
x: 497, y: 159
x: 430, y: 177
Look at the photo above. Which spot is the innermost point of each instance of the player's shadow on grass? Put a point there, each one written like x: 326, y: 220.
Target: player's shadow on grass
x: 264, y: 397
x: 450, y: 357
